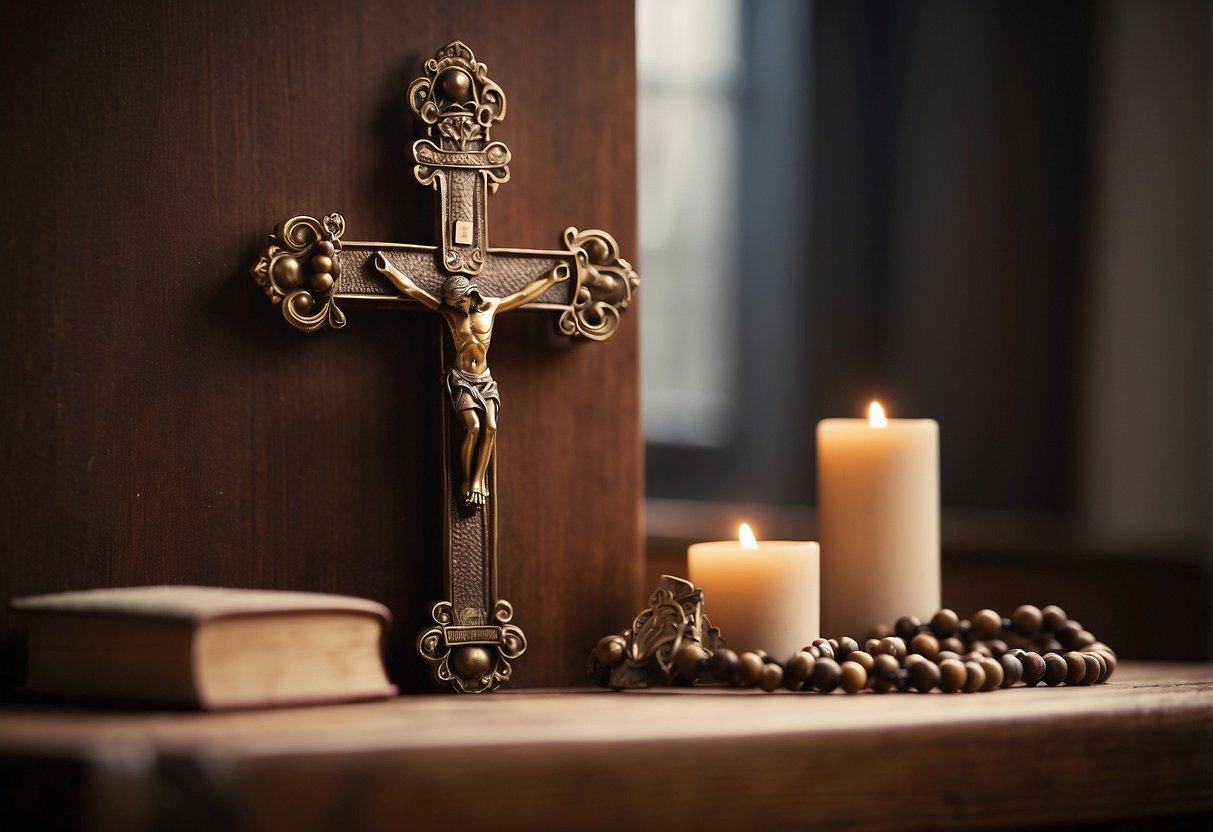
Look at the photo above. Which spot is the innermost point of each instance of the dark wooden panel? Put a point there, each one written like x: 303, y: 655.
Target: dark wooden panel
x: 161, y: 423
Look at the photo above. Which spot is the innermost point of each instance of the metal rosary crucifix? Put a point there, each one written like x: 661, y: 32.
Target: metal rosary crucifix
x: 308, y: 269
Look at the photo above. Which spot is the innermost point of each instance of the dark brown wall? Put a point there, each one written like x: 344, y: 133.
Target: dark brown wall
x: 162, y: 423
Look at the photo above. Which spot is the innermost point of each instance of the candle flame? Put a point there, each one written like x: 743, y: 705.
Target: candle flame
x: 746, y: 535
x: 876, y: 416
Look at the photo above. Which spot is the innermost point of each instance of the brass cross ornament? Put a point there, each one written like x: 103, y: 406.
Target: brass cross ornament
x: 308, y: 269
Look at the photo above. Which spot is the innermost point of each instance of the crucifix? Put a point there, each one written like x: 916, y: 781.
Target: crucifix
x: 308, y: 269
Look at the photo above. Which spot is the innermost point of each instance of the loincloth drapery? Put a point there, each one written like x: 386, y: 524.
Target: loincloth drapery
x: 471, y: 392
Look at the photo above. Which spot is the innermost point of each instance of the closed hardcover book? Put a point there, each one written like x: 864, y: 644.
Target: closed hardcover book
x: 205, y: 647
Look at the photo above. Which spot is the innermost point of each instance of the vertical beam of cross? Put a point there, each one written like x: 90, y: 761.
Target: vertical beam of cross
x: 308, y: 269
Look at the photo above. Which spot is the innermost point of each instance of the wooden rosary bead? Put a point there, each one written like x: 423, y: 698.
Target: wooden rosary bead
x: 924, y: 676
x: 846, y: 646
x: 1085, y: 638
x: 689, y: 659
x: 953, y: 645
x: 945, y: 623
x: 1012, y: 669
x: 1067, y: 634
x: 749, y: 669
x: 885, y: 667
x: 946, y: 654
x: 824, y: 648
x: 906, y: 627
x: 1094, y: 668
x: 1108, y: 657
x: 826, y: 675
x: 1033, y: 668
x: 893, y: 646
x: 975, y: 677
x: 925, y: 644
x: 870, y: 646
x: 1052, y: 617
x: 862, y: 659
x: 772, y: 677
x: 723, y: 665
x: 799, y: 668
x: 994, y: 676
x: 912, y: 659
x: 1056, y: 669
x: 1103, y: 666
x: 986, y: 624
x: 1076, y: 667
x: 610, y: 650
x: 952, y: 675
x: 1026, y: 620
x: 997, y: 647
x: 853, y: 676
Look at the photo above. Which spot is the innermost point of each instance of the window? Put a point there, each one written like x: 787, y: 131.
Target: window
x: 723, y: 116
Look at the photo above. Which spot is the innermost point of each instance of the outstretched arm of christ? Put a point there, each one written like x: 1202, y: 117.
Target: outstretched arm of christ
x: 534, y: 289
x: 401, y: 281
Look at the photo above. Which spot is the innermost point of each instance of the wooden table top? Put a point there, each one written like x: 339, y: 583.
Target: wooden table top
x: 1140, y: 746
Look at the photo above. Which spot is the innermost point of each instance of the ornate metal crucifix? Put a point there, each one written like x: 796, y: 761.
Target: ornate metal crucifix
x: 309, y: 268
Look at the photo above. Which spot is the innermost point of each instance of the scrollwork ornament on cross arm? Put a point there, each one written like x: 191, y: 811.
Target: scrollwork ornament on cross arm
x: 300, y: 271
x: 605, y: 285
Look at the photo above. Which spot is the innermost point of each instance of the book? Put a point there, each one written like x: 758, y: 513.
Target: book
x: 205, y: 647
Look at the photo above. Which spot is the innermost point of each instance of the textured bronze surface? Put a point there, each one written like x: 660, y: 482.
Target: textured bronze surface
x: 307, y: 269
x: 645, y: 654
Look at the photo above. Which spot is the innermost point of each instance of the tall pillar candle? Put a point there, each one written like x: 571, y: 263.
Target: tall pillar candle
x: 764, y: 595
x: 878, y: 490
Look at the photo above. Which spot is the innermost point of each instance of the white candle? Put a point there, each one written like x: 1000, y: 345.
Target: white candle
x: 762, y: 595
x: 878, y: 490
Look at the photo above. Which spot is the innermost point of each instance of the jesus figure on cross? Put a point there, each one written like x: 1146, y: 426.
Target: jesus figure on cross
x: 469, y: 316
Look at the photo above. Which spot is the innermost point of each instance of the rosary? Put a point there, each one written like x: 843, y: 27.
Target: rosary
x: 673, y: 643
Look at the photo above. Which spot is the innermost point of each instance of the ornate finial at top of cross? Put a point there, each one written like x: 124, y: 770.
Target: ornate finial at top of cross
x: 457, y: 98
x: 458, y: 103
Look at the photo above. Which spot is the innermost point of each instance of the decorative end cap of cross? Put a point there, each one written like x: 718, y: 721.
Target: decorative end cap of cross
x: 456, y: 99
x: 300, y: 271
x: 604, y: 287
x: 459, y: 104
x: 471, y: 657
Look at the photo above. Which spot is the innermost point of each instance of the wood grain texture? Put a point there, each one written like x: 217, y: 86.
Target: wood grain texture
x: 706, y: 758
x: 160, y: 422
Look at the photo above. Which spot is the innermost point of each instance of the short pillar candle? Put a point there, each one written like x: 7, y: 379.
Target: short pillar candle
x: 763, y: 595
x: 878, y: 492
